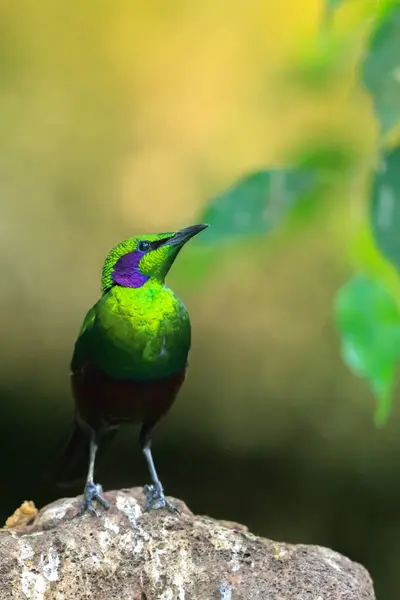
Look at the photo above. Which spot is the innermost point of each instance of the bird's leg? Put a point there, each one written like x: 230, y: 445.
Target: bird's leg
x: 154, y: 492
x: 93, y: 491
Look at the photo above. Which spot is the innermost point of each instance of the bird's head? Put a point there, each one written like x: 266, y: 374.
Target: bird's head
x: 136, y: 260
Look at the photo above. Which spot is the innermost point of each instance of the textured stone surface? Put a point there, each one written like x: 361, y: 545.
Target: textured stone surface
x: 127, y: 554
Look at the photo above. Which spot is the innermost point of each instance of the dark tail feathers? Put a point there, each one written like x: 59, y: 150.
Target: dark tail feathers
x: 72, y: 463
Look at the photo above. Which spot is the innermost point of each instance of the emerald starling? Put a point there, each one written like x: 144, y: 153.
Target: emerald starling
x: 130, y: 357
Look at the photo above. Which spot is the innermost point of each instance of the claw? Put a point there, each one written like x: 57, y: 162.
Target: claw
x: 155, y: 499
x: 93, y: 492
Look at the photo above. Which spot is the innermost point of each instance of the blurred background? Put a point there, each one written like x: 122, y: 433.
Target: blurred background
x: 127, y: 117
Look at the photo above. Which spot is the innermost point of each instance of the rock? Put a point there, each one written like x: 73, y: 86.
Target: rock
x: 128, y: 554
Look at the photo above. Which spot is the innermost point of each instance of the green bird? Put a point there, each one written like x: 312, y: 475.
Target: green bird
x: 130, y: 357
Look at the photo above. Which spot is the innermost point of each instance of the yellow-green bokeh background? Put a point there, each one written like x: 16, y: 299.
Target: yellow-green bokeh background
x: 124, y: 117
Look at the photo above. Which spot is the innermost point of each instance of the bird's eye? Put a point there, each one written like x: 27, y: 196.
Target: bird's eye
x: 144, y: 246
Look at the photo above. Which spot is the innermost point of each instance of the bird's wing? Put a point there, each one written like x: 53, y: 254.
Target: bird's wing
x: 84, y: 341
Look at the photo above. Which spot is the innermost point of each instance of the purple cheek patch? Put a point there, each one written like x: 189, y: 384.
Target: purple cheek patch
x: 126, y: 271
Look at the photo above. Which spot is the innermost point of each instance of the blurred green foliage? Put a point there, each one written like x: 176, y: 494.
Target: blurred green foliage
x: 333, y: 3
x: 369, y: 320
x: 381, y: 65
x: 385, y: 206
x: 256, y: 204
x: 367, y: 314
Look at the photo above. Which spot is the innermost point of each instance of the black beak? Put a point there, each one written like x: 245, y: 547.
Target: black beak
x: 184, y: 235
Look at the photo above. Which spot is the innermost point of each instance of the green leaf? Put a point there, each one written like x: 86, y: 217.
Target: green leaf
x: 366, y: 256
x: 257, y: 204
x: 385, y: 207
x: 381, y: 69
x: 368, y: 319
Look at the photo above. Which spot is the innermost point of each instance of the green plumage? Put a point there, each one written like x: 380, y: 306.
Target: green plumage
x: 135, y: 333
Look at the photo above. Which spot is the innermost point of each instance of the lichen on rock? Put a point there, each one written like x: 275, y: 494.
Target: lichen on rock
x: 23, y: 516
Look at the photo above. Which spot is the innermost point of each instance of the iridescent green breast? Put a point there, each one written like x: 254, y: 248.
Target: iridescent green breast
x: 141, y: 333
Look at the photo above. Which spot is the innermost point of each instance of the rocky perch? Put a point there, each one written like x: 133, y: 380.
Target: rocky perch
x: 128, y: 554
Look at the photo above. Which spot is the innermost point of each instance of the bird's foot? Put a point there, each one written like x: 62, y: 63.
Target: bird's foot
x: 155, y: 499
x: 93, y: 492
